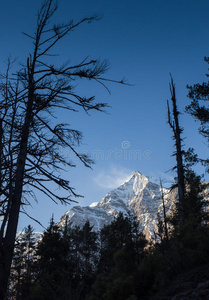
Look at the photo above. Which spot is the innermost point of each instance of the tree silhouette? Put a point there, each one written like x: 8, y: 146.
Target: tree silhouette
x: 22, y: 274
x: 30, y: 135
x: 52, y: 266
x: 177, y: 130
x: 65, y: 263
x: 121, y: 253
x: 198, y: 108
x: 121, y: 232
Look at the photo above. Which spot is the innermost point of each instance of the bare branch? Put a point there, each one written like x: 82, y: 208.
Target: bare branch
x: 25, y: 213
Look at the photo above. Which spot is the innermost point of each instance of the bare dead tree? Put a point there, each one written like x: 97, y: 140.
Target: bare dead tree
x: 164, y: 210
x: 30, y: 136
x: 177, y: 131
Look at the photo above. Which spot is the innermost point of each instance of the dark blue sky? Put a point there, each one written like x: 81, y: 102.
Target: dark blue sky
x: 143, y: 40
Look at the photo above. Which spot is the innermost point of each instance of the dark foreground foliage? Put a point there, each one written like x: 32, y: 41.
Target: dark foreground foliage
x: 116, y: 263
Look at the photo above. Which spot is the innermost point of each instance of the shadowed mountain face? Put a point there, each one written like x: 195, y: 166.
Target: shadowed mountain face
x: 137, y: 196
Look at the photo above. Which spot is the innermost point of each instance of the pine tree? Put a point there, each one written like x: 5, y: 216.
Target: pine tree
x: 51, y: 265
x: 85, y: 256
x: 66, y: 262
x: 113, y: 237
x: 89, y: 253
x: 196, y: 203
x: 122, y: 251
x: 198, y: 108
x: 122, y: 232
x: 22, y: 274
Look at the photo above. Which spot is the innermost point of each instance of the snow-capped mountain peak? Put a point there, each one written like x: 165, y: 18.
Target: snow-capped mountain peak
x: 137, y: 195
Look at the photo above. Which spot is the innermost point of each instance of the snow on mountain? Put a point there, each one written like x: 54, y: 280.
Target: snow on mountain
x: 167, y: 183
x: 138, y: 195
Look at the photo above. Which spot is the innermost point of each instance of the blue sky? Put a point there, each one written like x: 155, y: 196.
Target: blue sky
x: 144, y: 40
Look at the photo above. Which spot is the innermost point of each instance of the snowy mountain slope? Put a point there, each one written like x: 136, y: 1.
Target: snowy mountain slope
x: 98, y: 217
x: 138, y: 195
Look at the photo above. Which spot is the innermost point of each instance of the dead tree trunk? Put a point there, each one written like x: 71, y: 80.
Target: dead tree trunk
x: 164, y: 211
x: 177, y: 130
x: 9, y: 239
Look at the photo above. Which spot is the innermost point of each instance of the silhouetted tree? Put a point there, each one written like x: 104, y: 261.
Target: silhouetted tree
x: 29, y: 141
x: 122, y: 251
x: 22, y: 273
x: 113, y: 237
x: 121, y: 232
x: 162, y: 223
x: 177, y: 130
x: 196, y: 203
x: 88, y: 251
x: 190, y: 188
x: 51, y: 265
x: 82, y: 259
x: 198, y: 108
x: 66, y: 263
